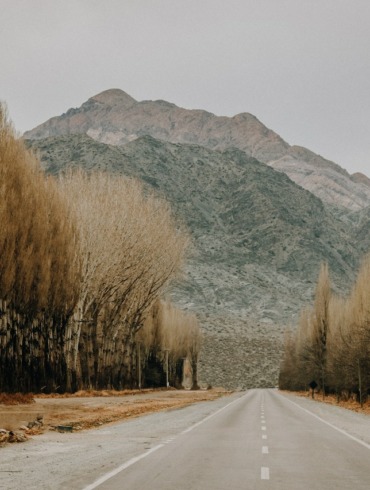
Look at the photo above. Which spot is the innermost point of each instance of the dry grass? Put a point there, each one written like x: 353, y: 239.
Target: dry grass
x: 96, y: 393
x: 89, y: 409
x: 332, y: 400
x: 16, y: 399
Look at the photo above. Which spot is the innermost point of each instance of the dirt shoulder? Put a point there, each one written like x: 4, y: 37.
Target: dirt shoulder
x: 332, y: 400
x: 85, y: 410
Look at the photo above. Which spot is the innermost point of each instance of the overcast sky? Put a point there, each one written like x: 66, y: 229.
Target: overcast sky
x: 301, y: 66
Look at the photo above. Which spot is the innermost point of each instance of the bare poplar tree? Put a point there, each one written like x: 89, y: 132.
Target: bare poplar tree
x: 320, y: 325
x: 305, y: 358
x: 172, y: 335
x: 38, y: 274
x: 357, y: 331
x: 131, y: 249
x: 332, y: 343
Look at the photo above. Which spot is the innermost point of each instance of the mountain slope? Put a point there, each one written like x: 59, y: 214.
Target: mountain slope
x: 327, y: 180
x: 258, y: 242
x: 115, y: 118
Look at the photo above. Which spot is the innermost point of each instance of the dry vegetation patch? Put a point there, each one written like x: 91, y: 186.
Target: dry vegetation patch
x: 90, y: 409
x: 16, y: 398
x: 332, y: 400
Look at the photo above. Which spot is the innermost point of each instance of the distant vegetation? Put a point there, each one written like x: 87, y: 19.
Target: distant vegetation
x: 331, y: 346
x: 84, y: 261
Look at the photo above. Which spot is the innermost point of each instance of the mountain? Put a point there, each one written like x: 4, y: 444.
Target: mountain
x: 115, y: 118
x: 258, y: 241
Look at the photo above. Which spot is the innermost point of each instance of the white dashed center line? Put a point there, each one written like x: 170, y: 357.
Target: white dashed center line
x: 265, y: 473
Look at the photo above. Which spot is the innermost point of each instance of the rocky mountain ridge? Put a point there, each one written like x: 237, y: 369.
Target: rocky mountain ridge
x: 258, y: 242
x: 113, y: 117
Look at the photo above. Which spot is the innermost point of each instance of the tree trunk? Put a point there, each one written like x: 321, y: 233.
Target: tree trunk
x: 194, y: 366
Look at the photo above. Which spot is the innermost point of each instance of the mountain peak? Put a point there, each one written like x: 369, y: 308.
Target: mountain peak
x: 244, y: 116
x: 114, y: 96
x: 360, y: 178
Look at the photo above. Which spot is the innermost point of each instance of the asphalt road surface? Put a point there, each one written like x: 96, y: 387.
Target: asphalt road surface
x: 261, y: 440
x: 255, y: 440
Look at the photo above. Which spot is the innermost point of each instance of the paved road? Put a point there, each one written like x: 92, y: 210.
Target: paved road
x: 260, y: 440
x: 255, y: 440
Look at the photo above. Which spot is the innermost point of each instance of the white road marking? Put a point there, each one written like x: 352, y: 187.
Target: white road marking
x: 329, y: 424
x: 264, y: 436
x: 123, y: 466
x: 132, y: 461
x: 265, y: 473
x: 212, y: 415
x: 265, y: 450
x: 263, y: 427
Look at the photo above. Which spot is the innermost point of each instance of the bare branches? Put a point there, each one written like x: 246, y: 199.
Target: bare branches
x: 169, y: 332
x: 131, y: 249
x: 38, y: 236
x: 332, y: 343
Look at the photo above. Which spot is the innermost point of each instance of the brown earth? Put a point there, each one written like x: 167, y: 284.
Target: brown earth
x: 350, y: 404
x: 86, y: 410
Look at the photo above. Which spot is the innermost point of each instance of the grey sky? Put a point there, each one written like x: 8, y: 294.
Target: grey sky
x: 301, y: 66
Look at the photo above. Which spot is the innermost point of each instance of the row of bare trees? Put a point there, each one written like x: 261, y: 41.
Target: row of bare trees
x: 170, y: 337
x: 331, y: 346
x: 84, y: 261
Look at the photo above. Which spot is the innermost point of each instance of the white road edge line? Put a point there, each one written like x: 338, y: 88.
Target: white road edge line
x: 329, y: 424
x: 212, y: 415
x: 132, y: 461
x: 123, y: 466
x: 265, y: 473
